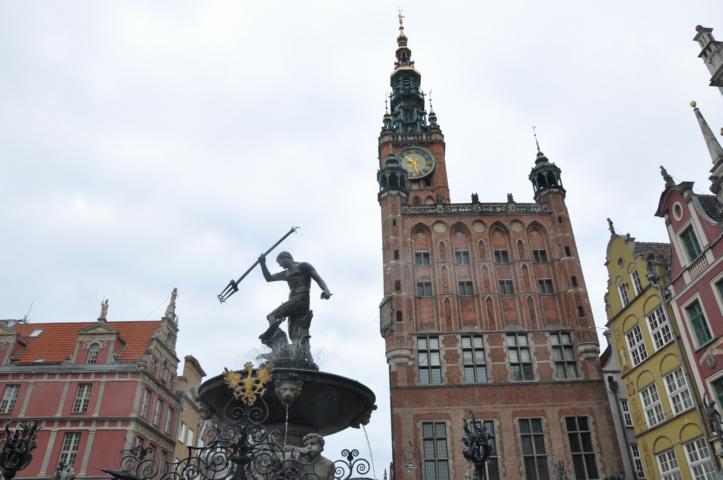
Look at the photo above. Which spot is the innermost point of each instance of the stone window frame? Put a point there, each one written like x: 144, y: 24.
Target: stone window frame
x: 520, y: 363
x: 170, y: 413
x: 677, y: 387
x: 506, y: 286
x: 564, y: 361
x: 634, y: 340
x: 465, y: 288
x: 718, y: 289
x: 535, y: 454
x: 652, y: 405
x: 462, y: 257
x: 668, y: 464
x: 540, y: 256
x: 157, y: 411
x: 545, y: 286
x: 422, y: 258
x: 81, y: 400
x: 501, y: 256
x: 426, y: 359
x: 424, y: 289
x: 145, y: 402
x: 696, y: 298
x: 436, y: 440
x: 659, y: 327
x: 474, y: 364
x: 580, y: 433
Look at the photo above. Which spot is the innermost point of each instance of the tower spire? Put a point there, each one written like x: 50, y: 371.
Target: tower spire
x: 404, y: 54
x: 714, y: 148
x: 534, y: 132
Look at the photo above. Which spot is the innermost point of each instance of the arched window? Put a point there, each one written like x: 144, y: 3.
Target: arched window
x: 531, y: 309
x: 491, y: 312
x: 93, y: 351
x: 164, y: 371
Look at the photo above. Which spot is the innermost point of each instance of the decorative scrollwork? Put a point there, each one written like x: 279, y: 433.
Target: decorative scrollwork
x: 350, y: 465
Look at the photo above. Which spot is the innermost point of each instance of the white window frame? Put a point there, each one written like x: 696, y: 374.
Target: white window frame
x: 182, y: 433
x: 623, y: 294
x: 93, y: 352
x: 169, y: 417
x: 10, y: 396
x: 659, y: 327
x: 668, y: 465
x: 145, y: 402
x: 700, y: 463
x: 625, y: 409
x: 637, y: 462
x: 716, y: 293
x: 678, y: 390
x: 652, y: 406
x: 635, y: 281
x: 189, y: 438
x: 636, y: 345
x: 69, y: 448
x: 157, y: 409
x: 82, y: 398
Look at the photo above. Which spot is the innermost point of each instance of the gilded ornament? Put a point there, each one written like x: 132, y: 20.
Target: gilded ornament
x: 248, y: 385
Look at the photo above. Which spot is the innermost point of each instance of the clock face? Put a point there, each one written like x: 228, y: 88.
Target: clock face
x: 418, y: 162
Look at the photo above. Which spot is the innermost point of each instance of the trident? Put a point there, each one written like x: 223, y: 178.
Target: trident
x: 232, y: 286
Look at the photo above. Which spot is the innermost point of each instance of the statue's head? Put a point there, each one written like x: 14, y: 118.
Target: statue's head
x: 287, y: 391
x: 284, y: 259
x: 314, y: 444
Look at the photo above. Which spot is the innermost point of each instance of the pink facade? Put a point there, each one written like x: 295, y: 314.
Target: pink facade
x: 95, y: 388
x: 695, y: 227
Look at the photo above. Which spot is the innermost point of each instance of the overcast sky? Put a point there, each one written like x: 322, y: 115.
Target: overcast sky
x: 152, y: 145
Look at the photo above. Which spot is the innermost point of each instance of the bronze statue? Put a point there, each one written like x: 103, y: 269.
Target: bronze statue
x: 298, y: 276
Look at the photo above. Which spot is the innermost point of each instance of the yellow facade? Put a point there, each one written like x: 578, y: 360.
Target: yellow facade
x: 665, y: 413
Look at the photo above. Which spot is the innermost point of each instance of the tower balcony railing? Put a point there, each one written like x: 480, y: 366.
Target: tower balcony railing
x: 411, y: 137
x: 473, y: 209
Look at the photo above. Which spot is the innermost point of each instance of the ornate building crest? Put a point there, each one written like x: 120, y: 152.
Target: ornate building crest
x: 247, y: 385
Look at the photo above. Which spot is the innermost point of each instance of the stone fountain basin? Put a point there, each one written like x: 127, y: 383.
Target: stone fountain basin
x: 328, y: 403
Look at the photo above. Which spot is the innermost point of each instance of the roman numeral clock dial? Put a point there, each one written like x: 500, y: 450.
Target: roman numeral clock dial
x: 418, y: 162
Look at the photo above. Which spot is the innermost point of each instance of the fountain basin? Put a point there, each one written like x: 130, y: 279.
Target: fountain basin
x: 327, y: 404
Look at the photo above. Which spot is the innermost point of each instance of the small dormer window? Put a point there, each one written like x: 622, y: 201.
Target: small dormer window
x: 93, y: 354
x: 35, y: 333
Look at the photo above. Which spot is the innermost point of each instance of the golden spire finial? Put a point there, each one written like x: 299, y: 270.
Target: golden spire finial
x: 400, y: 14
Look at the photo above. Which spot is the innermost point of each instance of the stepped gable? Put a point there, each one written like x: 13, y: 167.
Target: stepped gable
x: 56, y: 343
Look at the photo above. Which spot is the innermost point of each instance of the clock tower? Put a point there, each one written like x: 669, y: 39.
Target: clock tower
x: 410, y: 134
x: 485, y: 309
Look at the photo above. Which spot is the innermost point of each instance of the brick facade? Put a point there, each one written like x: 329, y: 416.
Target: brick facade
x: 453, y: 272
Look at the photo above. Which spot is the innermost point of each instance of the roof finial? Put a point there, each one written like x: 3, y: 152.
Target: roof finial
x: 386, y: 107
x: 669, y: 182
x: 103, y: 317
x: 400, y: 14
x: 534, y: 132
x: 611, y: 227
x: 431, y: 108
x: 171, y: 308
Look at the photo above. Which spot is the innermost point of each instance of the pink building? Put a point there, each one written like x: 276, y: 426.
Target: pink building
x: 695, y: 226
x: 95, y: 387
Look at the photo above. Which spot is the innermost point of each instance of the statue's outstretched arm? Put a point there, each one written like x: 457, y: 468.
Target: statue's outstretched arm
x: 325, y: 293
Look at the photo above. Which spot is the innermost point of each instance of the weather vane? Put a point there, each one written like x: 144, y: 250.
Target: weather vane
x: 534, y: 132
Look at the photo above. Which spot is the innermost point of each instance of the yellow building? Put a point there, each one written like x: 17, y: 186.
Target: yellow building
x: 191, y: 425
x: 663, y: 409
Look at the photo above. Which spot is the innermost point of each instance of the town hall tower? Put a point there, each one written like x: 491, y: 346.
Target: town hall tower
x: 484, y: 309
